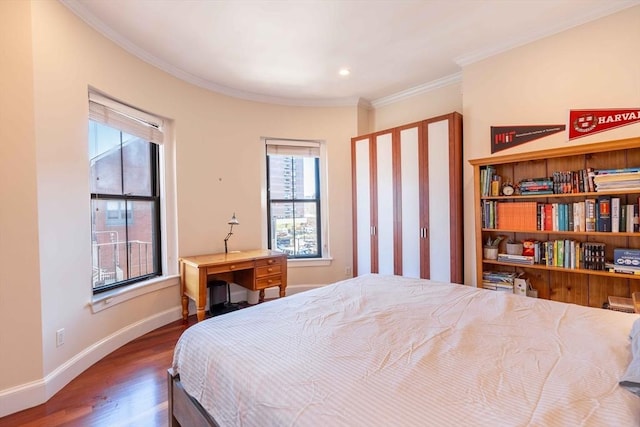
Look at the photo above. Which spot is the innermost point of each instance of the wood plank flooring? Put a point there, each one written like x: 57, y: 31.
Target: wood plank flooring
x: 126, y: 388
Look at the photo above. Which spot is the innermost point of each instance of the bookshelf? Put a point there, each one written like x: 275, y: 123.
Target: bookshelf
x: 570, y: 281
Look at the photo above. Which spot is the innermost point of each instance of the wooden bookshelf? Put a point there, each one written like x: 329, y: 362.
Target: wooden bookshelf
x: 572, y: 285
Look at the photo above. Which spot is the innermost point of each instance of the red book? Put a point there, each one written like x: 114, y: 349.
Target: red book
x: 548, y: 217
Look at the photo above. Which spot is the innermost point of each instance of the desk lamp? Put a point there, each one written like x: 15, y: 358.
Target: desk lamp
x: 233, y: 221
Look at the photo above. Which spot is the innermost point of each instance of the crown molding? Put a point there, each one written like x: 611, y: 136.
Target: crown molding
x: 417, y: 90
x: 83, y: 13
x: 603, y: 9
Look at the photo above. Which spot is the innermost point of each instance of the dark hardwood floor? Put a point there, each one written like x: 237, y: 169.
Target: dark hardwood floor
x: 126, y: 388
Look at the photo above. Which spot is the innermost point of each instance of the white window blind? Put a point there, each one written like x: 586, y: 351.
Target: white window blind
x: 120, y: 116
x: 283, y: 147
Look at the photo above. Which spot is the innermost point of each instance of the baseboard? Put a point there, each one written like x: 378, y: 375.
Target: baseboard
x: 34, y: 393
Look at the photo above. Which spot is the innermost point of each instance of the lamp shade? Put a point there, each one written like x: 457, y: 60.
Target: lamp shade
x: 233, y: 221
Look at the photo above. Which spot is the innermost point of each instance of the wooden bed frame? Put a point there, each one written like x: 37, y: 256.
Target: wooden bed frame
x: 184, y: 410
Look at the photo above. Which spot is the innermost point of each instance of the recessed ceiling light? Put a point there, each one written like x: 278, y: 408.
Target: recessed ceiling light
x: 344, y: 72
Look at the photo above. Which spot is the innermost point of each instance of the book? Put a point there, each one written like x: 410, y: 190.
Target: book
x: 548, y: 216
x: 516, y: 259
x: 590, y: 175
x: 615, y: 214
x: 617, y: 171
x: 603, y: 213
x: 517, y: 216
x: 630, y: 218
x: 622, y: 176
x: 621, y: 304
x: 578, y: 213
x: 622, y: 269
x: 626, y: 256
x: 590, y: 214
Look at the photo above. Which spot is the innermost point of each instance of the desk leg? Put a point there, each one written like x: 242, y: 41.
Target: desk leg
x: 261, y: 297
x: 283, y: 289
x: 185, y: 308
x: 201, y: 300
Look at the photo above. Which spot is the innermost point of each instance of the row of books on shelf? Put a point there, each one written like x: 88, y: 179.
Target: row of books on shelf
x: 603, y: 213
x: 561, y: 182
x: 509, y: 282
x: 617, y: 179
x: 487, y: 175
x: 564, y: 182
x: 499, y: 280
x: 562, y: 253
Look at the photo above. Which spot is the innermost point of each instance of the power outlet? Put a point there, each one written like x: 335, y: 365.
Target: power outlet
x: 347, y: 272
x: 59, y: 337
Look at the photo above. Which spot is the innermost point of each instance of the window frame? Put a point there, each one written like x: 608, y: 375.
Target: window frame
x: 155, y: 197
x: 320, y: 200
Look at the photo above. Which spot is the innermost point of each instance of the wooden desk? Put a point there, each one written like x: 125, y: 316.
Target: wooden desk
x: 255, y: 270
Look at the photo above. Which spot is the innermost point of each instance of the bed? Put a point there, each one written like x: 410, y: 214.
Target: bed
x: 393, y: 351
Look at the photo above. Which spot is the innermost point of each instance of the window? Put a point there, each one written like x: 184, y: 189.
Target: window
x: 125, y: 194
x: 294, y: 198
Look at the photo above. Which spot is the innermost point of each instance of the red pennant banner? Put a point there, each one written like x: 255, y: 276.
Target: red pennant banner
x: 587, y: 122
x: 503, y: 137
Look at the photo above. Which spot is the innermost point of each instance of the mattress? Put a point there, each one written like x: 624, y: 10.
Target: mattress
x: 387, y: 350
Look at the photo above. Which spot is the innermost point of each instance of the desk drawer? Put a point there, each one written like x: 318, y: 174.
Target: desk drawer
x: 269, y: 270
x: 269, y: 281
x: 268, y: 261
x: 242, y: 265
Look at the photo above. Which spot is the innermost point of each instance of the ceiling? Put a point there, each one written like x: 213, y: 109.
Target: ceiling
x: 290, y: 51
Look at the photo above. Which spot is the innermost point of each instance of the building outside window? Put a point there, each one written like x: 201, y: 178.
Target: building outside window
x: 294, y: 198
x: 125, y: 194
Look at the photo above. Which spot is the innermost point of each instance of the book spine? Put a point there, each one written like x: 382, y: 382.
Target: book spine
x: 603, y: 213
x: 590, y: 175
x: 615, y: 214
x: 590, y: 214
x: 570, y: 219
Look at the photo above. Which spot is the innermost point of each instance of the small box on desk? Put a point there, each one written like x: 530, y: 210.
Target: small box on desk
x: 626, y: 256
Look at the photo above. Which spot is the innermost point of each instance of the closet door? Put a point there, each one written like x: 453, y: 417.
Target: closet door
x: 407, y: 192
x: 384, y: 204
x: 410, y: 187
x: 362, y: 226
x: 443, y: 206
x: 373, y: 195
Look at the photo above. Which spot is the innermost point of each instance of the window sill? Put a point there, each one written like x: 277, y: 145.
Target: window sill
x: 311, y: 262
x: 108, y: 299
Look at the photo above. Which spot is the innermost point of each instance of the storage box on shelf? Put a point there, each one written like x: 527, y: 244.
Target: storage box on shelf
x: 573, y: 206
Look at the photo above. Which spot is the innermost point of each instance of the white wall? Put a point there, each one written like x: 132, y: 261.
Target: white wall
x: 432, y: 103
x: 46, y: 267
x: 20, y: 317
x: 596, y: 65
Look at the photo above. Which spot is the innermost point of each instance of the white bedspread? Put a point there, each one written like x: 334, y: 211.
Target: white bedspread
x: 392, y: 351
